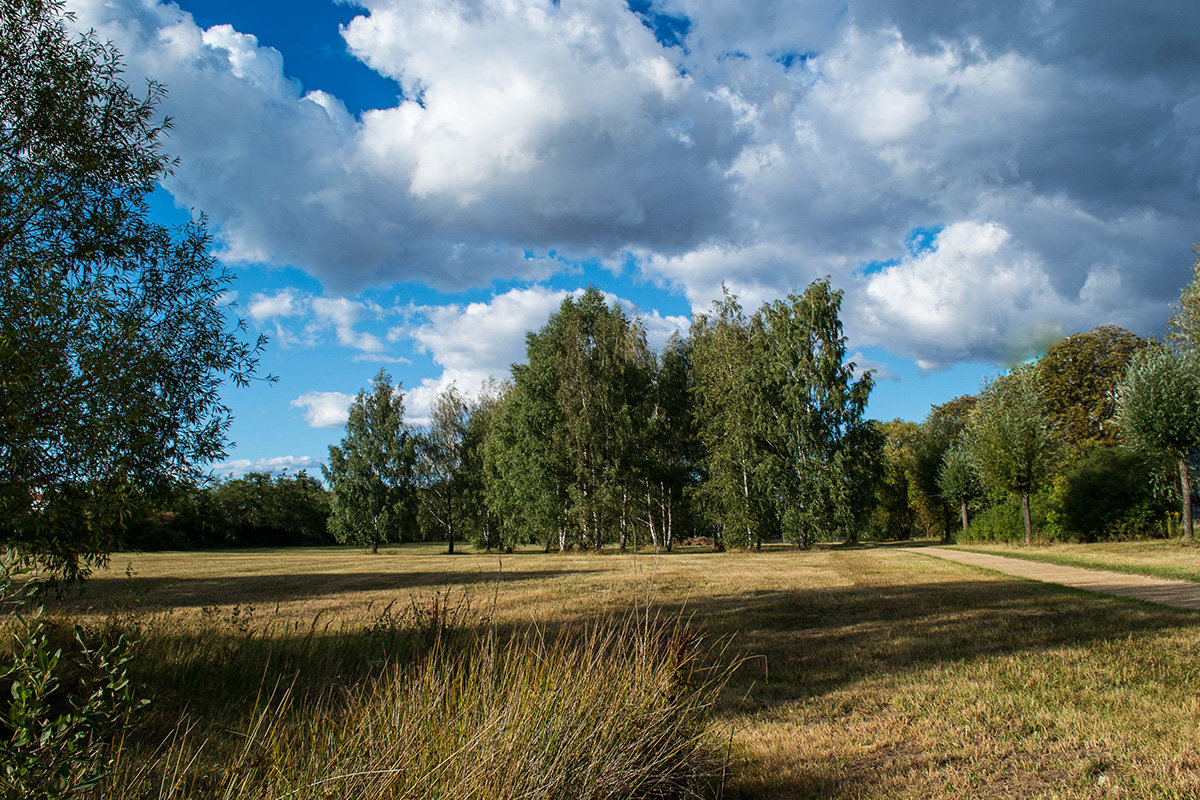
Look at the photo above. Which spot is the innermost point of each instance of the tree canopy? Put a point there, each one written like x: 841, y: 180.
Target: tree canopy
x: 371, y: 474
x: 114, y: 336
x: 1079, y: 376
x: 1012, y: 435
x: 1158, y: 408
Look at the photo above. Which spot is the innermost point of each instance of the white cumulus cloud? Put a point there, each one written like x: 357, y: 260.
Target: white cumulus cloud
x: 324, y: 409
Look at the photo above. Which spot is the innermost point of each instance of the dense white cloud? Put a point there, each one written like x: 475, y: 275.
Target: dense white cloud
x: 1057, y: 142
x: 324, y: 409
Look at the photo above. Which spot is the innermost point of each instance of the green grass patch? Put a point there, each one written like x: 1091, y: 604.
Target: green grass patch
x: 1160, y: 559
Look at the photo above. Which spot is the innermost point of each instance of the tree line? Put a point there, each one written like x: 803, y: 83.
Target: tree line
x: 749, y: 427
x: 744, y: 429
x: 752, y: 427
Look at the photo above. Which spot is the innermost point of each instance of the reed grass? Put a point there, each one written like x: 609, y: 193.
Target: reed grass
x: 619, y: 708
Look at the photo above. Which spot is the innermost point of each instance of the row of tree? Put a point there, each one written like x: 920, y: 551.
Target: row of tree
x: 752, y: 427
x: 256, y: 510
x: 1085, y: 440
x: 748, y: 428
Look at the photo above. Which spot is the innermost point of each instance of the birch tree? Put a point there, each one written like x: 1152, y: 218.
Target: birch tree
x: 732, y: 494
x: 440, y: 459
x: 809, y: 416
x: 371, y: 473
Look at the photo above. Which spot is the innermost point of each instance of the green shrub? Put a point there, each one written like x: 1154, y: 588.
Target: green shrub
x: 61, y: 710
x: 1000, y: 520
x: 1110, y: 494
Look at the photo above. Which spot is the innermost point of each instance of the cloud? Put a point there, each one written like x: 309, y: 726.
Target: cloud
x: 281, y: 304
x: 300, y: 319
x: 324, y: 409
x: 766, y: 145
x: 238, y: 467
x: 976, y: 295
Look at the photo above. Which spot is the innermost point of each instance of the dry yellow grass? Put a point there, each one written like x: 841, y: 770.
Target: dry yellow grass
x: 868, y: 673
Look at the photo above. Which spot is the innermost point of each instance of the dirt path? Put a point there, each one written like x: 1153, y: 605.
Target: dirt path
x: 1179, y: 594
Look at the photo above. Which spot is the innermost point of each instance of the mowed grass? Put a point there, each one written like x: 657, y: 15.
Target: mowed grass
x: 860, y: 673
x: 1162, y: 558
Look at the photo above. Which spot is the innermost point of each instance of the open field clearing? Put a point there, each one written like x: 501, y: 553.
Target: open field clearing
x: 1162, y: 558
x: 861, y: 673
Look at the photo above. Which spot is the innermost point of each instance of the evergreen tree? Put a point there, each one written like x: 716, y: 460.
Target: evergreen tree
x: 371, y: 474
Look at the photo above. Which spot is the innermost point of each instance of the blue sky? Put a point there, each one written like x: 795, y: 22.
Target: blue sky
x: 411, y: 184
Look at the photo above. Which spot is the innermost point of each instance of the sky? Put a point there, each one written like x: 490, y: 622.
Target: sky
x: 413, y: 184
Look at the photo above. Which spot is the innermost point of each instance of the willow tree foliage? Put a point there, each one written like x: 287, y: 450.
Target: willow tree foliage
x: 114, y: 336
x: 939, y: 430
x: 958, y: 479
x: 1185, y: 323
x: 1158, y: 409
x: 1013, y: 437
x: 808, y: 411
x: 371, y: 474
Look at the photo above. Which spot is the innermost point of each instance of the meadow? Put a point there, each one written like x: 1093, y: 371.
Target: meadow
x: 842, y: 672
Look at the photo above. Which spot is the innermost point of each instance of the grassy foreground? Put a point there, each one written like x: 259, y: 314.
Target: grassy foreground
x: 860, y: 673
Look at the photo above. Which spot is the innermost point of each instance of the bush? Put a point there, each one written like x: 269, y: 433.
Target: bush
x: 1000, y: 520
x: 61, y: 711
x: 1110, y: 494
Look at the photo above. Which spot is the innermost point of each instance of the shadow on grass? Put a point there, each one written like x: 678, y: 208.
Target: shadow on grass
x: 156, y: 594
x: 889, y: 616
x: 808, y: 642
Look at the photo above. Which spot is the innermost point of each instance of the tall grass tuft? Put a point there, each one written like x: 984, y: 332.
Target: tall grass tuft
x: 618, y: 709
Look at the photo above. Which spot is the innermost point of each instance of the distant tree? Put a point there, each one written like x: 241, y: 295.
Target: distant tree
x: 260, y: 509
x: 525, y: 472
x: 587, y: 390
x: 1185, y: 324
x: 1012, y: 435
x: 809, y: 411
x: 1158, y: 409
x: 894, y: 516
x: 672, y: 450
x: 958, y: 479
x: 371, y: 473
x: 114, y: 337
x: 440, y: 460
x: 1079, y: 376
x: 938, y: 432
x: 481, y: 417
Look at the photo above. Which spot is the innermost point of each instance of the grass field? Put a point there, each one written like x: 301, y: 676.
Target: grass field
x: 1160, y: 557
x: 860, y: 672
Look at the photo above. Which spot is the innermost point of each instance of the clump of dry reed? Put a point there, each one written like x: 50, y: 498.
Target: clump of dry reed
x: 618, y: 709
